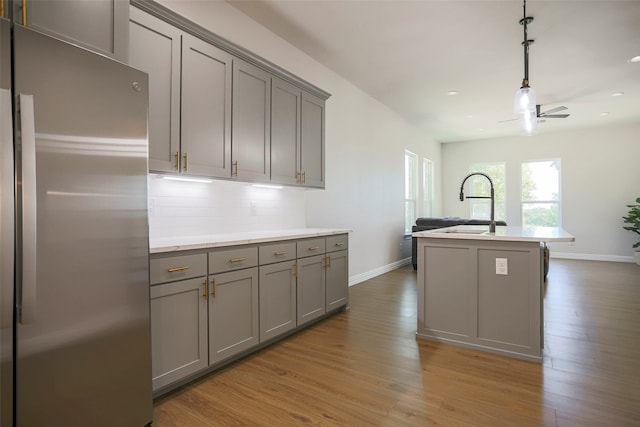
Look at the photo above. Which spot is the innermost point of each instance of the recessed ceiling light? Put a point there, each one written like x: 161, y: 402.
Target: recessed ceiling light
x: 617, y: 94
x: 452, y: 92
x: 635, y: 59
x: 469, y: 116
x: 604, y: 114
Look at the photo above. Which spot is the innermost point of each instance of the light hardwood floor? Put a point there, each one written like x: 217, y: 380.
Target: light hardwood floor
x: 364, y: 367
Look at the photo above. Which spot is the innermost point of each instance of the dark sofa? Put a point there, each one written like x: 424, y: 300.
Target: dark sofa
x: 423, y: 224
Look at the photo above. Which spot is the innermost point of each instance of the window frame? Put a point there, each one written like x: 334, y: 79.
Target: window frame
x: 411, y: 184
x: 475, y: 202
x: 557, y: 202
x: 428, y: 187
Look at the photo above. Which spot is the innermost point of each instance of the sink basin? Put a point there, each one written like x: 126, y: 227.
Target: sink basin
x: 468, y: 231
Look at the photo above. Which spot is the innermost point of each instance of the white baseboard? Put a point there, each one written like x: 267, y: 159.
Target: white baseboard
x: 592, y: 257
x: 353, y: 280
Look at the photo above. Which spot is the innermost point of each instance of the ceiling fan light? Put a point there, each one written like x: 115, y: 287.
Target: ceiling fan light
x: 528, y: 122
x: 525, y: 100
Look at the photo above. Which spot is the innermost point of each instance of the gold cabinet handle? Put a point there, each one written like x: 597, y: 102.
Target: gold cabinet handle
x: 177, y: 156
x: 339, y: 244
x: 237, y: 259
x: 206, y: 289
x: 24, y: 12
x: 185, y: 160
x: 295, y: 271
x: 299, y: 177
x: 174, y: 269
x: 214, y: 286
x: 327, y: 261
x: 280, y: 253
x: 312, y: 248
x: 2, y: 8
x: 304, y: 177
x: 235, y: 166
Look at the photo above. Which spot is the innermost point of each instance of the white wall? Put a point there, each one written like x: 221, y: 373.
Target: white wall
x: 600, y: 174
x: 365, y: 144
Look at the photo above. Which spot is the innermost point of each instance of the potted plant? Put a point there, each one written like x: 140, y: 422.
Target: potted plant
x: 633, y: 219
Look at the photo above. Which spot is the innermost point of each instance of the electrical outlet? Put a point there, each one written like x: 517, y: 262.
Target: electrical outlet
x: 502, y: 266
x: 152, y: 207
x: 253, y: 208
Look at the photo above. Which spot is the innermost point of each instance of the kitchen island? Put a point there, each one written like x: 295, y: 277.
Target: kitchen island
x: 484, y: 290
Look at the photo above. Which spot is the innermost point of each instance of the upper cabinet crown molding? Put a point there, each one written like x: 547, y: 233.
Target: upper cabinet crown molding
x: 196, y: 30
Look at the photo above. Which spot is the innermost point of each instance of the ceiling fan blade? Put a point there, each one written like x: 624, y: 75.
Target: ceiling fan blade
x: 554, y: 110
x: 554, y: 116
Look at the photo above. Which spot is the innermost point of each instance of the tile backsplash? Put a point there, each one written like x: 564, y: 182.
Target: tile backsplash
x: 178, y: 208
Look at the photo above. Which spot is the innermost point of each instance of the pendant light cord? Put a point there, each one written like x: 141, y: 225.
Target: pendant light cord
x: 525, y: 43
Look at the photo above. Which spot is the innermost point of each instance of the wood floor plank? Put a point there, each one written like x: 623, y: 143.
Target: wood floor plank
x: 364, y: 366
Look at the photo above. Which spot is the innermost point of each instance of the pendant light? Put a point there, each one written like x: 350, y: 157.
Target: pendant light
x: 524, y: 103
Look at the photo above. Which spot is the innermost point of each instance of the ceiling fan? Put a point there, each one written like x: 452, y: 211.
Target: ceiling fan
x: 549, y: 114
x: 546, y: 114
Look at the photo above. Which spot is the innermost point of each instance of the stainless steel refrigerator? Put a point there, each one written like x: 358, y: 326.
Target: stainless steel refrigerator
x: 74, y: 296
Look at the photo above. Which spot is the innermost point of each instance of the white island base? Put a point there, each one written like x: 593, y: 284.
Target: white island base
x: 483, y: 290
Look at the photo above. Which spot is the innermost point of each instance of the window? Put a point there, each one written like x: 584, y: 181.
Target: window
x: 541, y: 193
x: 479, y: 186
x: 410, y: 190
x: 427, y: 187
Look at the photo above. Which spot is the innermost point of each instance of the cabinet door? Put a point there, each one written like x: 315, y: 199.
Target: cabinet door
x: 155, y: 49
x: 178, y: 330
x: 312, y: 141
x: 99, y: 25
x: 277, y: 299
x: 251, y: 122
x: 285, y: 132
x: 233, y: 313
x: 337, y: 280
x: 311, y: 288
x: 206, y: 109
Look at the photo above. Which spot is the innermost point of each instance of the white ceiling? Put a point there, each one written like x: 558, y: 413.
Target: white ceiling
x: 409, y: 53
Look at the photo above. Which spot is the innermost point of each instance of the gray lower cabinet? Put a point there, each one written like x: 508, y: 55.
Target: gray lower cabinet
x: 251, y: 122
x: 189, y: 97
x: 311, y: 288
x: 464, y: 300
x: 233, y: 313
x: 337, y: 280
x: 210, y: 307
x: 98, y: 25
x: 277, y: 299
x: 178, y: 330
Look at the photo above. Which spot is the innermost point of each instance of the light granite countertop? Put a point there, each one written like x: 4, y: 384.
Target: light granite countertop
x: 174, y: 244
x: 503, y: 233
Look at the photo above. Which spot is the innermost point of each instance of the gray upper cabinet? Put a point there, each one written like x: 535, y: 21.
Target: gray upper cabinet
x: 312, y: 141
x: 297, y: 136
x: 251, y: 139
x: 217, y: 110
x: 189, y: 98
x: 285, y: 132
x: 155, y: 48
x: 206, y: 107
x: 99, y: 25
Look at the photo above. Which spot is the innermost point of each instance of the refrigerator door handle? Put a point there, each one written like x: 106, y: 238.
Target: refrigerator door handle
x: 29, y: 212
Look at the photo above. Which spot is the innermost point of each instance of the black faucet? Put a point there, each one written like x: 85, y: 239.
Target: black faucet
x: 492, y: 223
